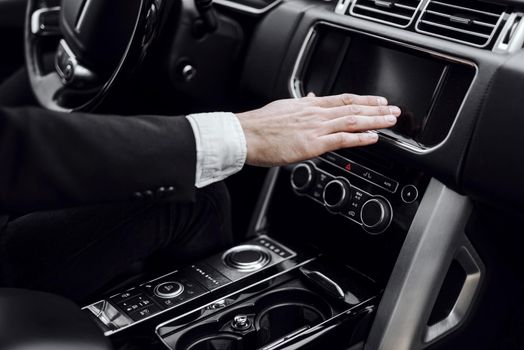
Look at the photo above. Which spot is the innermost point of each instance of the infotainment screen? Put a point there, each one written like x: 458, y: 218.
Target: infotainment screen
x: 406, y: 80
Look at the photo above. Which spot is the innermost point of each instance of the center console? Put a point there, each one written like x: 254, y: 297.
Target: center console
x: 261, y: 294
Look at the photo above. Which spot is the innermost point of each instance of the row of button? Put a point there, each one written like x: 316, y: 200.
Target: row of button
x: 275, y: 248
x: 362, y: 172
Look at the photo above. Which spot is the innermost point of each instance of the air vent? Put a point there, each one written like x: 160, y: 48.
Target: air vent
x: 466, y: 21
x: 399, y: 13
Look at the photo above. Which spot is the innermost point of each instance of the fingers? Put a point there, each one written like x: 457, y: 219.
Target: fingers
x: 347, y: 99
x: 336, y: 112
x: 355, y: 123
x: 346, y: 140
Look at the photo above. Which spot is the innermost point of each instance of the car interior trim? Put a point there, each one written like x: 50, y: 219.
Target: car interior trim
x: 353, y: 13
x: 432, y: 243
x: 95, y: 308
x: 181, y: 316
x: 245, y: 8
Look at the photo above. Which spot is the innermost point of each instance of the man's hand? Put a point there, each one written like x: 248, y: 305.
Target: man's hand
x: 292, y: 130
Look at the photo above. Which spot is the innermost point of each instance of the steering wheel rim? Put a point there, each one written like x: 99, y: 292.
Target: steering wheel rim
x: 91, y: 83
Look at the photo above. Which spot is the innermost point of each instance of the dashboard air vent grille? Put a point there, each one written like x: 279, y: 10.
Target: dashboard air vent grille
x: 467, y: 21
x: 399, y: 13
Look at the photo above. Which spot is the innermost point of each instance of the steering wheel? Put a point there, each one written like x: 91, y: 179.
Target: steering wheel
x: 76, y: 50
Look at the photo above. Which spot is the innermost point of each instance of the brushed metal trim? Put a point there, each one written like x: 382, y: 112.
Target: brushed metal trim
x: 432, y: 242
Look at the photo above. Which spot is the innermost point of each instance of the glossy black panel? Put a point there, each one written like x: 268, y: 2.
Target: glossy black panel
x: 428, y: 89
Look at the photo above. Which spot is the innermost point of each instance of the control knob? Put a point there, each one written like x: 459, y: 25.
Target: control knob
x: 376, y: 215
x: 168, y: 290
x: 337, y: 194
x: 303, y: 177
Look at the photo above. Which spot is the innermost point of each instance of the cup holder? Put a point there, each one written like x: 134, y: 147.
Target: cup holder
x: 281, y: 320
x: 218, y: 342
x: 272, y: 316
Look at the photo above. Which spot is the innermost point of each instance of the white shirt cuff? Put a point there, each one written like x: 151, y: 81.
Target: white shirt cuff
x: 220, y: 145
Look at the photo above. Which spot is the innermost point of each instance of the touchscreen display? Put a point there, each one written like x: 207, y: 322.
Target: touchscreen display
x: 406, y: 80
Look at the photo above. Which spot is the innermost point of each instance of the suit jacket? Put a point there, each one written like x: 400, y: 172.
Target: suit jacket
x: 54, y: 160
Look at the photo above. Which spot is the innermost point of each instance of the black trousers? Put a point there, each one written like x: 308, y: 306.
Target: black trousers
x: 76, y: 252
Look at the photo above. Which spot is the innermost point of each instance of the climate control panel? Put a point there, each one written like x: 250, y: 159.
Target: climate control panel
x: 363, y: 195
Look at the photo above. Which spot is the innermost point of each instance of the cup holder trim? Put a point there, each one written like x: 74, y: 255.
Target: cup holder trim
x: 218, y: 336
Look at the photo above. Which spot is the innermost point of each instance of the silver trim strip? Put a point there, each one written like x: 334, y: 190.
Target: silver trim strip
x: 81, y: 18
x: 245, y: 8
x: 472, y: 264
x: 464, y: 8
x: 453, y: 29
x: 514, y: 27
x: 433, y: 240
x: 489, y: 39
x: 296, y: 89
x: 36, y: 25
x: 352, y: 12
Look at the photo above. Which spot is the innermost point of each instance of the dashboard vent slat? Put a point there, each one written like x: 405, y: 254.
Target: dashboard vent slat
x: 399, y: 13
x: 467, y: 21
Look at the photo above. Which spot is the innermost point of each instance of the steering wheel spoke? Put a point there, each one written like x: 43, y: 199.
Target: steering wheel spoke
x: 94, y: 43
x: 46, y: 21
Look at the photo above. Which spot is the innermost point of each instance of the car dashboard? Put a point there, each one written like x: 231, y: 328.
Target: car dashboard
x: 383, y: 247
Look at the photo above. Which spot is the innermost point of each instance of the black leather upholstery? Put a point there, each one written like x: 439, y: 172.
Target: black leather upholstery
x: 35, y: 320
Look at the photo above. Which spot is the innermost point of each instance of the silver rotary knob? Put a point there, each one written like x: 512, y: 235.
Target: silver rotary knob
x: 336, y: 194
x: 303, y: 177
x: 376, y: 215
x: 168, y: 290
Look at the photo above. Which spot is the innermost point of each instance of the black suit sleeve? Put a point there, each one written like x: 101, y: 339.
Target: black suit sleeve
x: 52, y: 160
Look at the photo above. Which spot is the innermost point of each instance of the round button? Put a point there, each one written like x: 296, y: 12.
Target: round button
x: 246, y: 257
x: 337, y: 194
x: 302, y: 177
x: 376, y: 215
x: 69, y: 72
x: 409, y: 194
x: 168, y: 290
